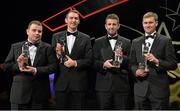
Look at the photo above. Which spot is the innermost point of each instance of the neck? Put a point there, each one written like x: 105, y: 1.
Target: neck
x: 71, y: 30
x: 33, y: 41
x: 112, y: 35
x: 150, y: 33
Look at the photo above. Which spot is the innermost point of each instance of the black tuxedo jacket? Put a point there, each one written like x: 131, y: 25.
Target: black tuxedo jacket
x: 157, y: 79
x: 24, y: 85
x: 116, y: 78
x: 74, y: 78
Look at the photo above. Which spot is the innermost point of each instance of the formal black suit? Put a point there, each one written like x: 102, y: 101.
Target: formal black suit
x: 25, y: 86
x: 156, y: 83
x: 113, y: 80
x: 73, y: 79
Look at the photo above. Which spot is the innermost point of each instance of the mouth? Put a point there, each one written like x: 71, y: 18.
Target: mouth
x: 73, y: 24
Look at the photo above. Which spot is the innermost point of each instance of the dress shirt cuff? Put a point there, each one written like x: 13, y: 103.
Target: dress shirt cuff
x: 157, y: 63
x: 34, y: 71
x: 75, y: 63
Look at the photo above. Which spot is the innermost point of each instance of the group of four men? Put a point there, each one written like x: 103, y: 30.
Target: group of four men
x: 71, y: 54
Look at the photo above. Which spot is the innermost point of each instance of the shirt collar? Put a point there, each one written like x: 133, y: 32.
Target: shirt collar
x: 152, y: 34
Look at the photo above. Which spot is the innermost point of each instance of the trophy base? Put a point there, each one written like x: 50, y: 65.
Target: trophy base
x: 146, y: 70
x: 63, y: 59
x: 117, y: 64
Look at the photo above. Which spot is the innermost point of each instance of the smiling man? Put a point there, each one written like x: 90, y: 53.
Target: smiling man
x: 151, y: 87
x: 74, y: 51
x: 30, y: 86
x: 112, y: 82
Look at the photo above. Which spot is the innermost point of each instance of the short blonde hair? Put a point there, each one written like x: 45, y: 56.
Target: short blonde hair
x: 151, y: 14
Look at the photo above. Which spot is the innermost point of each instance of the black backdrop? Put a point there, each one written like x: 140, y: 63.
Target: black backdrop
x: 15, y: 16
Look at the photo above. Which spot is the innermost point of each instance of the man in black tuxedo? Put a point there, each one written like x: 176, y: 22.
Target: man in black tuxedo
x: 74, y: 51
x: 30, y: 70
x: 151, y: 87
x: 112, y: 84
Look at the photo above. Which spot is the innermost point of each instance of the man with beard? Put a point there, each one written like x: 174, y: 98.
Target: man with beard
x: 112, y: 82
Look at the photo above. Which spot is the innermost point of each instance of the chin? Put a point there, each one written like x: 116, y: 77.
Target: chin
x: 37, y: 40
x: 112, y: 34
x: 148, y: 32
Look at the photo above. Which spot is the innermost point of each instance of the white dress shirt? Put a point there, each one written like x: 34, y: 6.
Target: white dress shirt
x: 70, y: 42
x: 150, y: 40
x: 112, y: 42
x: 32, y: 53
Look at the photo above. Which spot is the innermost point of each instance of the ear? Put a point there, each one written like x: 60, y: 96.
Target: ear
x: 156, y: 23
x: 105, y: 26
x: 27, y: 31
x: 65, y: 20
x: 79, y: 22
x: 119, y: 26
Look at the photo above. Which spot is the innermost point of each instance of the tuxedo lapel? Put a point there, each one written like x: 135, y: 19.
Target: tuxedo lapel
x: 155, y: 44
x: 107, y: 52
x: 38, y: 54
x: 66, y: 49
x: 76, y: 44
x: 19, y: 48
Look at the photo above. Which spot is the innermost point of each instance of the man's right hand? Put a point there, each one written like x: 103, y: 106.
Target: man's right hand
x: 59, y: 49
x: 141, y: 73
x: 108, y: 64
x: 22, y: 60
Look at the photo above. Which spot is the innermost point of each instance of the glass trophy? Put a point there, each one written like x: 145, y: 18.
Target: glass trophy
x: 141, y: 65
x: 62, y: 56
x: 25, y: 51
x: 146, y: 49
x: 117, y: 54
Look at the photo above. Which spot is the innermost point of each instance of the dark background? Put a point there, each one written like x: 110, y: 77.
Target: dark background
x: 15, y: 16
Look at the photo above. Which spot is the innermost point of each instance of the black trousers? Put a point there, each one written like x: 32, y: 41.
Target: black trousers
x: 149, y: 102
x: 113, y: 100
x: 70, y: 100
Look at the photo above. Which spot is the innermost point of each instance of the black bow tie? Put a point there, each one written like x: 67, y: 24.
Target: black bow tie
x: 35, y: 44
x: 113, y: 38
x: 149, y: 36
x: 74, y: 34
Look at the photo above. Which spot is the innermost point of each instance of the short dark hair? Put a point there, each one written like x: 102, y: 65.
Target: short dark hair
x: 73, y: 10
x: 112, y: 16
x: 34, y: 22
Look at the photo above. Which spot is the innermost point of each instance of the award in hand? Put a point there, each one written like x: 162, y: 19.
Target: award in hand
x: 117, y: 55
x: 146, y: 50
x: 62, y: 55
x: 25, y: 52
